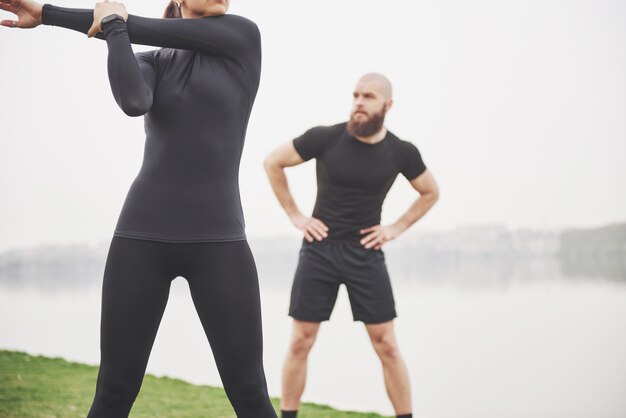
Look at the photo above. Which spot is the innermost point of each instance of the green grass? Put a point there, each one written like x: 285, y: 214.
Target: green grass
x: 43, y: 387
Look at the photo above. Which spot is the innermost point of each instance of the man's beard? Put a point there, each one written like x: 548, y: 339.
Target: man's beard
x: 368, y: 127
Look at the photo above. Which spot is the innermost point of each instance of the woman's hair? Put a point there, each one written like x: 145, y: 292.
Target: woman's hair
x: 172, y: 11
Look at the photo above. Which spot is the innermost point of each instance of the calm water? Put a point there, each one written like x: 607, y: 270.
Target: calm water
x: 552, y: 348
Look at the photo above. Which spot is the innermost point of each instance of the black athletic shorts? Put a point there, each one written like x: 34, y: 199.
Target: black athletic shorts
x: 324, y: 265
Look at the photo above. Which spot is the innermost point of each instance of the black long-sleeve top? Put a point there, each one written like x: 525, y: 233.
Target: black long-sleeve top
x: 196, y: 95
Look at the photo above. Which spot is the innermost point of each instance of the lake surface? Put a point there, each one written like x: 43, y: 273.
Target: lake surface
x: 546, y: 347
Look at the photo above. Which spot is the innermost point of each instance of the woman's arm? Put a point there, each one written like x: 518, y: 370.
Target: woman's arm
x: 227, y: 35
x: 132, y: 76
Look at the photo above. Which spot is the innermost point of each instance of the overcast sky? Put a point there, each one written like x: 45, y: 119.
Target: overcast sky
x: 518, y: 108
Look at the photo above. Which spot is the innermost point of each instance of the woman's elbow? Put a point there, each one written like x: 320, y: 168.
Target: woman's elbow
x: 135, y: 108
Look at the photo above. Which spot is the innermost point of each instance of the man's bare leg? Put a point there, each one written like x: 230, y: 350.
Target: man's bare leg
x: 295, y: 367
x: 396, y: 377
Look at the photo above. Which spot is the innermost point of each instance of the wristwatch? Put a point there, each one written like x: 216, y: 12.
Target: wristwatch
x: 110, y: 18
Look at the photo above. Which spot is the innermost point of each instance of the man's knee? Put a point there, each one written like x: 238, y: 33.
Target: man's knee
x: 302, y: 341
x: 386, y: 347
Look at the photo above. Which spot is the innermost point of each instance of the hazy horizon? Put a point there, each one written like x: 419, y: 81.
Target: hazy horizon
x: 411, y: 236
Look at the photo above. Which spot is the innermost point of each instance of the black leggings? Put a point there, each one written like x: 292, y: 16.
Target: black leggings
x: 224, y: 287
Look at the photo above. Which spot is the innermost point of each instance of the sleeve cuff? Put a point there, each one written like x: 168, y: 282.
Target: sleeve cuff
x: 45, y: 14
x: 116, y: 26
x: 298, y: 148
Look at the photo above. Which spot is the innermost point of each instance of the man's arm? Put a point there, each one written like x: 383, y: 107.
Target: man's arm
x: 426, y: 186
x: 275, y: 164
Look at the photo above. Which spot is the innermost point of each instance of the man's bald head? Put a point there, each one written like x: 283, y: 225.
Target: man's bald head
x: 372, y: 100
x: 378, y: 82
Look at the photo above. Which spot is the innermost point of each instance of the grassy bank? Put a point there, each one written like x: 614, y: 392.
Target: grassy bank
x: 42, y: 387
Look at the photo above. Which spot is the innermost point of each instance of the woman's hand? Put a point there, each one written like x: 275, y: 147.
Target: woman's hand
x: 28, y: 13
x: 102, y: 10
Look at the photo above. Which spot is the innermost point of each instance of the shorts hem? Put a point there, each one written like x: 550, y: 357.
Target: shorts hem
x: 375, y: 320
x: 309, y: 318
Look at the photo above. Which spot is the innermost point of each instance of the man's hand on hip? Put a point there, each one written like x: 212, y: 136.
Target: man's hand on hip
x: 313, y: 228
x: 378, y: 235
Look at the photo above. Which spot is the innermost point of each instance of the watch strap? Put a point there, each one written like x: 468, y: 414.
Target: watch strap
x: 110, y: 18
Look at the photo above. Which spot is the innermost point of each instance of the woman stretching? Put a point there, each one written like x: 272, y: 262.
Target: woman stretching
x: 182, y: 215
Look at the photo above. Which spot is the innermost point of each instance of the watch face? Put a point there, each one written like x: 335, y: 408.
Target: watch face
x: 109, y: 18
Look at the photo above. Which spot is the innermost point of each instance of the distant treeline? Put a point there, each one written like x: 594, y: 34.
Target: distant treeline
x: 594, y: 252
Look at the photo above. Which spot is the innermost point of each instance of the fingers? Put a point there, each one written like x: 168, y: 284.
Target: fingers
x: 373, y: 240
x: 8, y: 8
x: 321, y: 230
x: 93, y: 30
x: 9, y: 23
x: 316, y: 228
x: 320, y: 225
x: 316, y: 232
x: 369, y: 238
x: 370, y: 229
x: 376, y: 244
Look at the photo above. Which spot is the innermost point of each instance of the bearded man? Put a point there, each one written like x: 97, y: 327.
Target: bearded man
x: 356, y: 164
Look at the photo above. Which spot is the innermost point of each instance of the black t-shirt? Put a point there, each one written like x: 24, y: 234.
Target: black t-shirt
x: 353, y: 177
x: 197, y: 94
